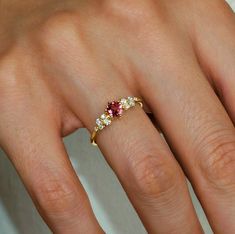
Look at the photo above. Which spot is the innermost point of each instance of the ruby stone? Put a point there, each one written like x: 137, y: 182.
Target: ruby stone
x: 114, y: 108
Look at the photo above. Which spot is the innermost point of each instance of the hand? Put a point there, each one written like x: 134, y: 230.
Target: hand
x: 61, y: 63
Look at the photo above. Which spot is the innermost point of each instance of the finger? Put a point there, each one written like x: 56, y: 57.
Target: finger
x: 37, y: 151
x: 149, y: 174
x: 216, y: 51
x: 199, y: 131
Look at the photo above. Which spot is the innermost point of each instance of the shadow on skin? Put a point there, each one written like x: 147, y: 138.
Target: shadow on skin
x: 108, y: 199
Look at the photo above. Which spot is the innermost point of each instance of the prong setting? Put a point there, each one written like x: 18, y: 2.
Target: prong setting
x: 113, y: 110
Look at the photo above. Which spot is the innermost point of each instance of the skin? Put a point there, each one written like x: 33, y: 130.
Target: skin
x: 62, y: 61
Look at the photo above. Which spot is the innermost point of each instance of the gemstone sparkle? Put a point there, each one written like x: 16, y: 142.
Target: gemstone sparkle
x: 131, y: 101
x: 114, y: 109
x: 106, y: 119
x: 99, y: 124
x: 125, y: 103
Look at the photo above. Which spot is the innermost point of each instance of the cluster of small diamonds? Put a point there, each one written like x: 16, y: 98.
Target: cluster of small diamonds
x: 114, y: 109
x: 103, y: 120
x: 127, y: 102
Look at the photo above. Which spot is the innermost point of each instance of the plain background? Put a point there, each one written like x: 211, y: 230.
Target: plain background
x: 110, y: 204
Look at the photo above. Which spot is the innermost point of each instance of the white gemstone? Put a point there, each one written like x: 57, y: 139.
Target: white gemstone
x: 101, y: 127
x: 100, y: 124
x: 104, y: 120
x: 103, y: 116
x: 125, y: 103
x: 131, y: 101
x: 107, y: 121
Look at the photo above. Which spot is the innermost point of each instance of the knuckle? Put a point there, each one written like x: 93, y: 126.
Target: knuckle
x: 153, y: 176
x: 217, y: 161
x: 59, y: 31
x: 130, y: 10
x: 55, y: 196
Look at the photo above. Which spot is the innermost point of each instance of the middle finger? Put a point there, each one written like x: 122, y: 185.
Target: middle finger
x: 144, y: 164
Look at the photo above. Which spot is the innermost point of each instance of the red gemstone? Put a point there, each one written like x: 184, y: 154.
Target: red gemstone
x: 114, y: 108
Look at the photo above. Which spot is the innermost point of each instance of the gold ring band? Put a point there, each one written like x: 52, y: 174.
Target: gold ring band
x: 114, y: 109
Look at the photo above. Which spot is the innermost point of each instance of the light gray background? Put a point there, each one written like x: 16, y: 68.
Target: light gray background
x: 110, y: 204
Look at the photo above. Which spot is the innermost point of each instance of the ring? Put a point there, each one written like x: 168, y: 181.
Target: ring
x: 114, y: 109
